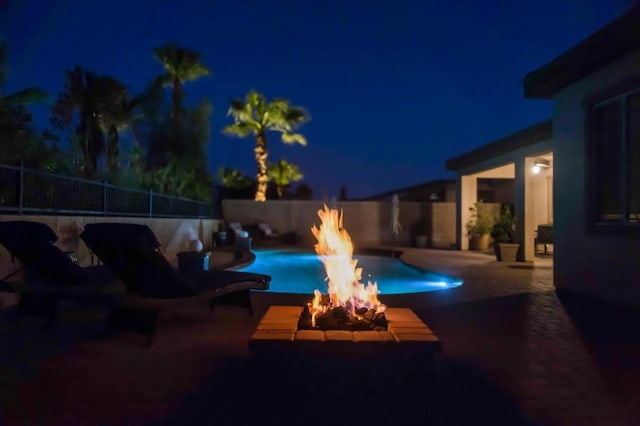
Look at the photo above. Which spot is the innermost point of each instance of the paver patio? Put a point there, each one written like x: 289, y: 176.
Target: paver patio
x: 513, y: 353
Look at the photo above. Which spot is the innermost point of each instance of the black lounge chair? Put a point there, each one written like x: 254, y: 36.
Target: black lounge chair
x: 48, y: 275
x: 131, y: 251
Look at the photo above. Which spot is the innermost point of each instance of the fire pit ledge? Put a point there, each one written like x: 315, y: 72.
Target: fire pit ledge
x: 277, y: 334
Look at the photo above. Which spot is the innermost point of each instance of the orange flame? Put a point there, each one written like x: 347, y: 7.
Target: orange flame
x: 335, y: 250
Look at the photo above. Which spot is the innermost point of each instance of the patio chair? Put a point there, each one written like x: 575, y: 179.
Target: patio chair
x: 47, y: 275
x: 131, y: 251
x: 267, y: 232
x: 236, y: 231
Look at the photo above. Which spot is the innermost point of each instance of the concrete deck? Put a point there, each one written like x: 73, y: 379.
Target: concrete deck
x: 514, y: 353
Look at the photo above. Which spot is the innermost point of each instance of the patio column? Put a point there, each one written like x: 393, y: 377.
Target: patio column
x: 524, y: 200
x: 466, y: 195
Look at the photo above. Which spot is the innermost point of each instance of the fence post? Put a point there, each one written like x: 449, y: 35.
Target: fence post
x: 151, y: 203
x: 21, y: 188
x: 104, y: 197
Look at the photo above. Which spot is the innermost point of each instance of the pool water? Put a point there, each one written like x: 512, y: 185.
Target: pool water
x: 299, y: 272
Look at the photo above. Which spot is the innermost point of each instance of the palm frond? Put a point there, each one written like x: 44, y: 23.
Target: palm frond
x: 291, y: 138
x: 179, y: 62
x: 240, y: 129
x: 26, y: 96
x: 297, y: 115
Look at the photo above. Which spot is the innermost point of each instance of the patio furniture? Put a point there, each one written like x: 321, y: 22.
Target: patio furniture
x: 235, y: 231
x: 47, y: 274
x: 240, y: 237
x: 131, y: 251
x: 267, y: 233
x: 544, y: 236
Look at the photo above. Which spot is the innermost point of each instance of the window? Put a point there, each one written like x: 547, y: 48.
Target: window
x: 615, y: 160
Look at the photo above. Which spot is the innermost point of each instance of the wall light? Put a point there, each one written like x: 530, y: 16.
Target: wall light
x: 539, y: 164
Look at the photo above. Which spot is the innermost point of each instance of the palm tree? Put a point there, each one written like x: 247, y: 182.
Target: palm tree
x: 254, y: 116
x: 282, y: 174
x: 15, y: 136
x: 103, y: 106
x: 21, y: 97
x: 116, y: 117
x: 180, y: 65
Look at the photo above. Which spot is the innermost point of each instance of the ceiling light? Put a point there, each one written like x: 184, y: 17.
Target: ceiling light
x: 539, y: 164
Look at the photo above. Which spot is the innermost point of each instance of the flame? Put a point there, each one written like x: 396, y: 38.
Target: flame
x: 335, y: 250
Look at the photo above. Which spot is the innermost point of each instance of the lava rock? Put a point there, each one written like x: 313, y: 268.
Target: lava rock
x: 369, y: 315
x: 340, y: 314
x: 326, y: 322
x: 361, y: 311
x: 380, y: 320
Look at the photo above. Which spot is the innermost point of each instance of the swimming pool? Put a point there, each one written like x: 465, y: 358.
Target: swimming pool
x: 299, y: 272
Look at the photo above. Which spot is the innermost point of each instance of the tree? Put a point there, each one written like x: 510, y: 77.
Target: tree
x: 103, y: 107
x: 180, y: 65
x: 235, y: 183
x: 233, y: 178
x: 254, y: 116
x: 343, y: 193
x: 282, y: 174
x: 303, y: 192
x: 18, y: 141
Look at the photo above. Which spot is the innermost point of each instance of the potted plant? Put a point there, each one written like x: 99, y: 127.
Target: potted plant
x: 502, y: 233
x: 478, y: 226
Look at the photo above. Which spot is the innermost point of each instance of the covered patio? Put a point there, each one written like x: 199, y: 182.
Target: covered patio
x: 525, y: 159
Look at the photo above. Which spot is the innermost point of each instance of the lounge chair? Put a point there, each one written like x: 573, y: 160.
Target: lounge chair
x: 131, y: 251
x: 266, y: 232
x: 236, y: 231
x: 48, y: 275
x: 240, y: 236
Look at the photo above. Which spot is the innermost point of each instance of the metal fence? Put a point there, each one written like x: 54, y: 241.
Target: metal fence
x: 35, y: 192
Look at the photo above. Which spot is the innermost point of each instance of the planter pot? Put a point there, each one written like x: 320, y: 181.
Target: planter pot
x: 479, y: 242
x: 506, y: 252
x: 421, y: 240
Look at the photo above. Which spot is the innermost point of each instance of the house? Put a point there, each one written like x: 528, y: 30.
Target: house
x: 595, y: 90
x: 432, y: 191
x: 444, y: 190
x: 587, y: 159
x: 510, y: 159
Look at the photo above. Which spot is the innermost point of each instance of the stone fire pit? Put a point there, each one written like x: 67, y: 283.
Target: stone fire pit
x: 407, y: 335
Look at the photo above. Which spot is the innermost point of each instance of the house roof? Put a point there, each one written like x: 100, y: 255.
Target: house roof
x: 525, y: 137
x: 617, y: 39
x: 414, y: 192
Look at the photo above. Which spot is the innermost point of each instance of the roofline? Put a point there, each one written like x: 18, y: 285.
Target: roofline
x: 408, y: 188
x: 613, y: 41
x: 522, y: 138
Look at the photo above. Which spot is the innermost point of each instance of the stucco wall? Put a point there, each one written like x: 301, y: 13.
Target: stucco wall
x: 443, y: 225
x: 601, y: 265
x: 368, y: 222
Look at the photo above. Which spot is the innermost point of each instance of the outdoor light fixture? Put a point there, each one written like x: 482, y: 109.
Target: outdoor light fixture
x: 539, y: 164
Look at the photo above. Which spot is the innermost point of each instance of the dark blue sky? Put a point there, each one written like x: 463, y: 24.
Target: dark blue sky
x: 394, y: 88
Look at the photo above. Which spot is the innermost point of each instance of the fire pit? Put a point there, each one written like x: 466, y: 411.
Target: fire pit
x: 277, y: 334
x: 350, y: 320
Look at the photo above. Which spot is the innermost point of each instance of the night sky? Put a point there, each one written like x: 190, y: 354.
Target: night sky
x: 394, y: 88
